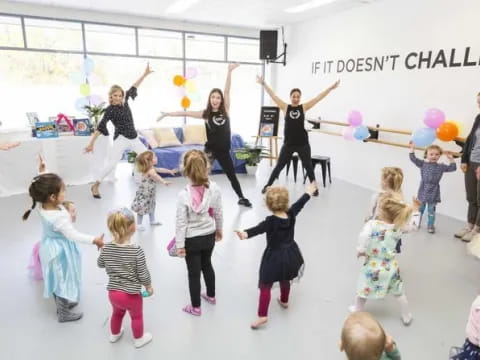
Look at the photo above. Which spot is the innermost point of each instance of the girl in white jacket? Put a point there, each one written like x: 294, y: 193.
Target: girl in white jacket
x: 196, y: 230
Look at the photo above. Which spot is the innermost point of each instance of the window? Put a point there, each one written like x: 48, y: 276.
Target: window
x: 243, y: 50
x: 110, y: 39
x: 160, y: 43
x: 204, y: 47
x: 11, y: 31
x: 55, y: 35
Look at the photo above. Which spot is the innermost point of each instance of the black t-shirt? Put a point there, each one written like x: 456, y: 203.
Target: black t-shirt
x: 218, y: 131
x: 121, y: 117
x: 294, y: 132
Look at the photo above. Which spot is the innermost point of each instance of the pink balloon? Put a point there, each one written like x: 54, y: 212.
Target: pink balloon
x: 434, y: 118
x: 348, y: 133
x: 355, y: 118
x: 191, y: 72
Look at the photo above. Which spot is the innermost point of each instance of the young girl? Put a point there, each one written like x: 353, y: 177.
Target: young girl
x: 127, y: 271
x: 282, y: 260
x: 296, y: 137
x: 380, y: 274
x: 431, y: 173
x: 125, y: 137
x: 217, y: 125
x: 59, y: 254
x: 196, y: 230
x: 471, y: 347
x: 144, y: 201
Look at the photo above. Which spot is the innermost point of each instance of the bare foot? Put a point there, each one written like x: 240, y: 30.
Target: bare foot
x: 259, y: 323
x: 282, y: 304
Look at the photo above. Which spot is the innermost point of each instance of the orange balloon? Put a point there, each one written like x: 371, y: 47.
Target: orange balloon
x: 185, y: 102
x: 448, y: 131
x: 178, y: 80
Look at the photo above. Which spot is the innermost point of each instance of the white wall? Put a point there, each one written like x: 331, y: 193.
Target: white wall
x: 393, y: 99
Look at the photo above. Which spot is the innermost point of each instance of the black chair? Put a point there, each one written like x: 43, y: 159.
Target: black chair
x: 324, y: 161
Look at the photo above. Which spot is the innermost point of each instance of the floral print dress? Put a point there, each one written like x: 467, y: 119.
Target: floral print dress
x: 380, y: 274
x: 144, y: 202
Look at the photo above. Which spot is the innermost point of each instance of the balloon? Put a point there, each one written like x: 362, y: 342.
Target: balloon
x: 78, y: 77
x: 95, y: 99
x: 85, y: 89
x: 355, y: 118
x: 434, y: 118
x: 423, y: 137
x: 361, y: 133
x: 88, y: 65
x: 448, y: 131
x: 348, y: 133
x: 94, y: 79
x: 190, y: 86
x: 81, y: 103
x: 191, y: 72
x: 185, y: 103
x: 178, y: 80
x: 458, y: 124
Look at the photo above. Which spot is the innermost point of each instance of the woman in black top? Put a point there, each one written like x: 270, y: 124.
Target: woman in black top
x: 295, y: 135
x: 471, y: 167
x: 217, y: 124
x: 125, y: 137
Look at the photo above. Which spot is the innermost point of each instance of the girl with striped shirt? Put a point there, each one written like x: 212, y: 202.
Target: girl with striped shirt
x: 127, y: 272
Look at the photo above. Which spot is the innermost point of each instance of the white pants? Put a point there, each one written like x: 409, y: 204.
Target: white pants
x: 120, y: 145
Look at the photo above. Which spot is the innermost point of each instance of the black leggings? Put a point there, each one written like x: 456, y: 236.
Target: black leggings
x: 225, y: 161
x: 305, y: 154
x: 199, y: 260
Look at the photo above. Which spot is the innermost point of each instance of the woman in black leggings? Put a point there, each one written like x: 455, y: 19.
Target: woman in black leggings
x: 217, y: 123
x: 296, y: 137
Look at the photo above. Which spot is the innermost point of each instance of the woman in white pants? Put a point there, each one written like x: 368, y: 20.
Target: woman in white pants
x: 125, y: 137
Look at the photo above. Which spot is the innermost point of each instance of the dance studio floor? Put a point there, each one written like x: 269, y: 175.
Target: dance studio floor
x: 441, y: 281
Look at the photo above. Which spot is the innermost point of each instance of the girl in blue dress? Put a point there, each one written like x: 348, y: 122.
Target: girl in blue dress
x: 59, y: 254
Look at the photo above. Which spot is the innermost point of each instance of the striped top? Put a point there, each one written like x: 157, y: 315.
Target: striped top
x: 126, y: 267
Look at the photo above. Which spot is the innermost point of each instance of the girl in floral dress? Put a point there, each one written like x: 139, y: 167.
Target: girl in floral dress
x: 380, y: 274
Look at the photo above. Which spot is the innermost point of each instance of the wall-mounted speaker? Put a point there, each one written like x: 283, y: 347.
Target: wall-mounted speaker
x: 268, y: 44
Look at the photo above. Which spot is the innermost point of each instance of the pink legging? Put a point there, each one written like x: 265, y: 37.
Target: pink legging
x: 121, y: 302
x: 264, y: 299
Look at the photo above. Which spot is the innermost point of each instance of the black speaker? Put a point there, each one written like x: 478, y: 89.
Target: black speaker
x: 268, y: 44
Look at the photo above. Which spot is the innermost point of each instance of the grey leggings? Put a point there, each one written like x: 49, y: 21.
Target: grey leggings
x: 472, y: 187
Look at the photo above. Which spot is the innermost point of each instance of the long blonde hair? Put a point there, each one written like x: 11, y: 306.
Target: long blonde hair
x: 393, y: 210
x: 144, y: 161
x: 392, y: 179
x: 196, y: 166
x: 120, y: 223
x: 114, y: 89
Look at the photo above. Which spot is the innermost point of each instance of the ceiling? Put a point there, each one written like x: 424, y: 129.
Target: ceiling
x: 246, y: 13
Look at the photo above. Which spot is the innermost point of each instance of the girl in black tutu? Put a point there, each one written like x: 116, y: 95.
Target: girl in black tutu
x: 282, y: 260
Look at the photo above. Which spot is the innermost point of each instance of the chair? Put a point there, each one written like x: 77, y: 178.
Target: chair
x: 324, y: 161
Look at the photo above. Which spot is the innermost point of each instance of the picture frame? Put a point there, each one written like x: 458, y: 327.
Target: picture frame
x: 46, y: 130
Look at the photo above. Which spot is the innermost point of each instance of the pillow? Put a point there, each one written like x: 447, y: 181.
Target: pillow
x: 149, y: 137
x: 166, y: 137
x: 194, y: 135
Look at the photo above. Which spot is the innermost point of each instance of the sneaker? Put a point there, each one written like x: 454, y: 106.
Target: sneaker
x: 144, y: 340
x: 70, y: 316
x: 407, y: 320
x: 431, y: 229
x: 210, y: 300
x: 245, y: 202
x: 462, y: 232
x: 195, y: 311
x: 115, y: 338
x: 469, y: 236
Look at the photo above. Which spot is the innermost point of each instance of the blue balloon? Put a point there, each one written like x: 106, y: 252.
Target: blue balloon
x: 361, y: 133
x: 423, y: 137
x: 88, y: 65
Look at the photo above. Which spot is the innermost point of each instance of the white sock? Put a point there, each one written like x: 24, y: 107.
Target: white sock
x: 359, y: 304
x: 404, y: 309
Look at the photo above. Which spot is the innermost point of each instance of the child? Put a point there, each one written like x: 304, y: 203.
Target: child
x: 196, y: 230
x: 59, y: 254
x: 471, y: 347
x: 380, y: 274
x: 431, y: 174
x: 127, y: 271
x: 364, y: 338
x: 144, y: 202
x: 282, y: 260
x: 391, y: 181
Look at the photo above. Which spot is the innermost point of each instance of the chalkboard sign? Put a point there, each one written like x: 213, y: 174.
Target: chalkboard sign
x: 269, y: 121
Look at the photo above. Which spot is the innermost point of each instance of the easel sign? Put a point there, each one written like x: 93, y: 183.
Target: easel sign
x: 269, y: 116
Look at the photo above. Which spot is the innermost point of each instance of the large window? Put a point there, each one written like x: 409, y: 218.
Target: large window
x: 160, y: 43
x: 204, y: 47
x: 11, y: 31
x: 240, y: 49
x: 110, y: 39
x: 53, y: 35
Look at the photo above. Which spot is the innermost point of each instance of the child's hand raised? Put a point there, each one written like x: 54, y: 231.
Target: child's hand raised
x: 41, y: 164
x: 242, y: 235
x: 98, y: 241
x: 311, y: 188
x: 411, y: 146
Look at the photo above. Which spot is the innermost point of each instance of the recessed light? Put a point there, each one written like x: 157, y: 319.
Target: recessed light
x: 308, y: 5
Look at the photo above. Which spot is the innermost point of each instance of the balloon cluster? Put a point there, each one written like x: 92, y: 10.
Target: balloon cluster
x: 187, y: 87
x: 85, y: 78
x: 356, y: 130
x: 437, y: 128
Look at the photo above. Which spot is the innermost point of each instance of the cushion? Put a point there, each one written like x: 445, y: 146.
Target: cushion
x: 166, y: 137
x: 194, y: 135
x: 149, y: 137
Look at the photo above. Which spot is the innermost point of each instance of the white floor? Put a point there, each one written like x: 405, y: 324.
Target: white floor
x: 441, y: 282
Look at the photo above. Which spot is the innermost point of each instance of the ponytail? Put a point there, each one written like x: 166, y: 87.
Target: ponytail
x: 27, y: 213
x: 392, y: 179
